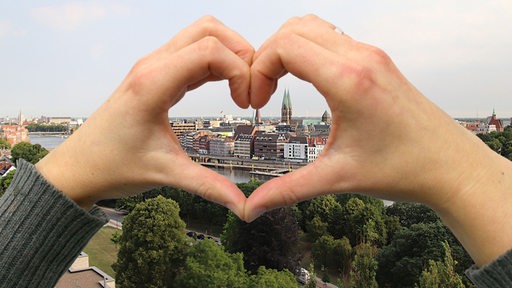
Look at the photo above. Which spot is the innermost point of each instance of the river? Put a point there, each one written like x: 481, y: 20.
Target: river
x: 52, y: 142
x: 236, y: 176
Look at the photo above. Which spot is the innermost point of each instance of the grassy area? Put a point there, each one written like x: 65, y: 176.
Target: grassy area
x: 102, y: 252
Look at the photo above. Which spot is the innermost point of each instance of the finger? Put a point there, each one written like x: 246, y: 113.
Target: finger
x: 300, y: 185
x: 210, y: 26
x: 175, y: 73
x: 208, y: 184
x: 299, y: 56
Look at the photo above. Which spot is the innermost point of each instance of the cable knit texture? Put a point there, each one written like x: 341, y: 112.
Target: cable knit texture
x: 41, y: 230
x: 495, y: 274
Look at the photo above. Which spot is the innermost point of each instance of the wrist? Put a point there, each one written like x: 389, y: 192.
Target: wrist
x: 60, y: 171
x: 477, y: 207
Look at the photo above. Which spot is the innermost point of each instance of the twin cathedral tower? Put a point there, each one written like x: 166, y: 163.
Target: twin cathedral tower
x: 286, y: 111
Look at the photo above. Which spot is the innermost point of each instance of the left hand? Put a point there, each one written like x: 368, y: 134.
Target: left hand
x: 127, y: 146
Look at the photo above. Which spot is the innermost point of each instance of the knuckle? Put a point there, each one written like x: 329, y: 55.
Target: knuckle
x: 378, y: 56
x: 310, y: 17
x: 208, y: 45
x: 140, y: 75
x: 291, y: 22
x: 208, y: 23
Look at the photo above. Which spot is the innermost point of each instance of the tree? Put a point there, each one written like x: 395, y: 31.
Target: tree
x: 271, y: 240
x: 6, y: 181
x: 271, y: 278
x: 404, y: 258
x: 332, y: 253
x: 208, y: 265
x: 322, y: 207
x: 412, y: 213
x: 31, y: 153
x: 441, y: 273
x: 4, y: 144
x: 317, y: 228
x: 360, y: 221
x: 153, y: 245
x: 364, y: 267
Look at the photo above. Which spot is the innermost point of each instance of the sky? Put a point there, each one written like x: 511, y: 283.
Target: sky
x: 64, y: 58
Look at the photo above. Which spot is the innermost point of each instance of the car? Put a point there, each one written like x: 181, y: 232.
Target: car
x: 303, y: 276
x: 192, y: 234
x: 200, y: 237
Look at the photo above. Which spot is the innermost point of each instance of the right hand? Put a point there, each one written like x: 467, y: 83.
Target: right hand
x: 387, y: 139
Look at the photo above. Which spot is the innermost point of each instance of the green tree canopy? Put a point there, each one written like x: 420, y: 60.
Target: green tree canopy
x: 5, y: 182
x: 441, y: 273
x: 4, y: 144
x: 271, y: 278
x: 360, y: 221
x: 153, y: 245
x: 332, y: 253
x: 364, y: 267
x: 208, y: 265
x: 30, y: 152
x: 412, y: 213
x: 271, y: 240
x: 404, y: 258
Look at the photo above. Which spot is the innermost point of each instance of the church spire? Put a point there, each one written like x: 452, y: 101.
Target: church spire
x: 286, y: 108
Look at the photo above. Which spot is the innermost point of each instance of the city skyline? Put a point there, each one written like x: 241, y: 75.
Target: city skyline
x: 66, y: 57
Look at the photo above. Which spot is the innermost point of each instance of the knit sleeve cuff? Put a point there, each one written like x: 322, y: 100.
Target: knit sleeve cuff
x: 42, y: 230
x: 496, y: 274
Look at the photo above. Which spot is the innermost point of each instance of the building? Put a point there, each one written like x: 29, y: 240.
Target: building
x: 270, y: 145
x: 222, y: 146
x: 315, y: 147
x: 202, y: 144
x: 244, y: 147
x: 296, y: 148
x: 6, y: 165
x: 59, y: 120
x: 286, y: 108
x: 183, y: 127
x: 495, y: 124
x: 80, y: 274
x: 326, y: 118
x: 14, y: 134
x: 189, y: 140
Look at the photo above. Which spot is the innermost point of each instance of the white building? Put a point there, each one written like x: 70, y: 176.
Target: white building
x: 296, y: 148
x: 314, y: 152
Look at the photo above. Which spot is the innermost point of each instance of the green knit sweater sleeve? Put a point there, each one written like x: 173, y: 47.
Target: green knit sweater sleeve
x: 496, y: 274
x: 41, y: 231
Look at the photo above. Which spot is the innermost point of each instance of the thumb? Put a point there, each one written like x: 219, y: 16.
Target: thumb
x: 210, y: 185
x: 303, y: 184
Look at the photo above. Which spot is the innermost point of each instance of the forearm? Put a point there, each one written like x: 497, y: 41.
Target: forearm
x: 478, y: 210
x: 42, y: 231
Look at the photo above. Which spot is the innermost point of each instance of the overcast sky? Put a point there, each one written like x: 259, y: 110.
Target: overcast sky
x: 64, y: 58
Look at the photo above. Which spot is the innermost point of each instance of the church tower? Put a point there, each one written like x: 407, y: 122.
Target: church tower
x: 326, y: 118
x: 286, y: 108
x: 257, y: 118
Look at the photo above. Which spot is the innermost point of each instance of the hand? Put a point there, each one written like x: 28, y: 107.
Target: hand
x: 386, y: 140
x: 127, y: 146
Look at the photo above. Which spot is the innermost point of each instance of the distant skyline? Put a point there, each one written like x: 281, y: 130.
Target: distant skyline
x: 64, y: 58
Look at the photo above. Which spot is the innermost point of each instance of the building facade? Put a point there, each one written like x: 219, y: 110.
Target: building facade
x: 270, y: 145
x: 296, y: 148
x: 221, y: 146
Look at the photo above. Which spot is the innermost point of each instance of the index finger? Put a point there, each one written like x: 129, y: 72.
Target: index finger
x: 210, y: 26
